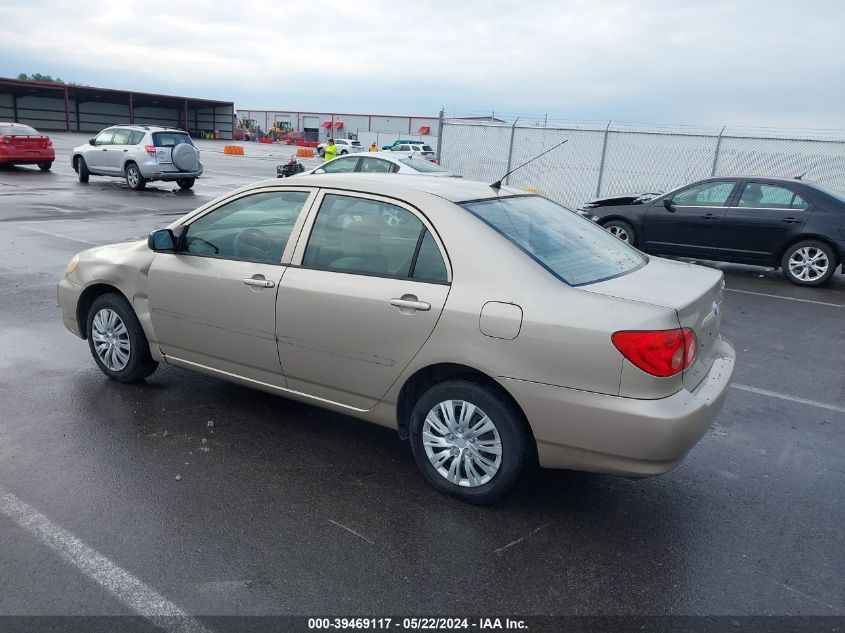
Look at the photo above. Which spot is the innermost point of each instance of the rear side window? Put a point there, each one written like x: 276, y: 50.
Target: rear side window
x: 169, y: 139
x: 758, y: 195
x: 429, y: 265
x: 136, y: 137
x: 121, y: 137
x: 571, y: 247
x: 375, y: 165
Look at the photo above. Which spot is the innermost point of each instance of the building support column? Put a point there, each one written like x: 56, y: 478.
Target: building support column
x: 67, y: 110
x: 131, y: 109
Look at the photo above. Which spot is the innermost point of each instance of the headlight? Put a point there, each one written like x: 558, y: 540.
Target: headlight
x: 71, y: 266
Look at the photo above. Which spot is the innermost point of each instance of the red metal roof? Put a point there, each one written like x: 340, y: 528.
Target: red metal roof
x: 338, y: 125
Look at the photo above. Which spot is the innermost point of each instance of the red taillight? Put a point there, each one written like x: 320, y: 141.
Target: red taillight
x: 5, y: 140
x: 151, y: 149
x: 49, y: 141
x: 659, y: 353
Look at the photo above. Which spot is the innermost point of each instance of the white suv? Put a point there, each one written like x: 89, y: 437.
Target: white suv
x: 139, y: 153
x: 344, y: 146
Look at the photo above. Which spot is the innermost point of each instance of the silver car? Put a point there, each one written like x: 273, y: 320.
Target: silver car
x: 381, y: 163
x: 493, y: 328
x: 140, y: 154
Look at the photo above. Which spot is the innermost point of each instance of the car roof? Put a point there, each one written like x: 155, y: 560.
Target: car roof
x: 146, y: 128
x: 395, y: 185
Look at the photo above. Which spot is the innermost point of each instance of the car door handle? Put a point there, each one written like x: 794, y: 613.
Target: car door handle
x: 259, y: 281
x: 411, y: 304
x: 790, y: 220
x: 710, y: 216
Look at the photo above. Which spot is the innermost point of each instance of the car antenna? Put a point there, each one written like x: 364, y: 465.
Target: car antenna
x: 498, y: 183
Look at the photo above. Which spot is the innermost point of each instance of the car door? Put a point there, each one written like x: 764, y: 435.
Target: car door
x: 686, y: 222
x: 117, y: 150
x: 96, y: 155
x: 762, y: 219
x: 370, y: 286
x: 213, y: 302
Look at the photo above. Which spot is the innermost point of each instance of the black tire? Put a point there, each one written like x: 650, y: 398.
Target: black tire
x: 508, y: 422
x: 186, y: 183
x: 343, y: 152
x: 321, y: 152
x: 140, y: 363
x: 623, y: 230
x: 134, y: 180
x: 809, y: 251
x: 45, y: 166
x: 82, y: 169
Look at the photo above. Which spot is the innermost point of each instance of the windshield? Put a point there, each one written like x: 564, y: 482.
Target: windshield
x: 17, y: 130
x: 571, y: 247
x: 422, y: 165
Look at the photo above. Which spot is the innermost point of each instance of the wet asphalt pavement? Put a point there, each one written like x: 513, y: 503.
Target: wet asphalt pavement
x: 289, y: 509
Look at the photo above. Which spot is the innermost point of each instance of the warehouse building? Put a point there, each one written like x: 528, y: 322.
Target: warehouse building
x: 72, y: 108
x: 366, y: 128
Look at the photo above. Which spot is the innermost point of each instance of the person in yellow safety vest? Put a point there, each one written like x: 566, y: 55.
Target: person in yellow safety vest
x: 373, y: 147
x: 331, y: 150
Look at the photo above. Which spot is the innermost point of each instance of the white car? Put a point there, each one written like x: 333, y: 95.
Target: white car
x: 344, y: 146
x: 381, y: 162
x: 421, y: 149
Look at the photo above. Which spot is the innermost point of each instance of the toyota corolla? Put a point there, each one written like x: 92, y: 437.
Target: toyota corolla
x: 493, y: 329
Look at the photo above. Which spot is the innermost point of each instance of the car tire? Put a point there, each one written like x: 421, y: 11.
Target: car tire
x: 321, y: 153
x: 45, y: 166
x: 809, y: 263
x: 343, y: 152
x: 134, y: 179
x: 82, y: 170
x: 117, y: 341
x: 623, y: 230
x: 186, y: 183
x: 479, y: 481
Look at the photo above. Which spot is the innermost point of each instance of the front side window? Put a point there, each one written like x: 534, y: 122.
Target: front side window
x: 104, y: 137
x: 708, y: 194
x: 375, y: 165
x: 758, y: 195
x: 340, y: 166
x: 121, y: 137
x: 253, y: 228
x: 366, y: 236
x: 571, y: 247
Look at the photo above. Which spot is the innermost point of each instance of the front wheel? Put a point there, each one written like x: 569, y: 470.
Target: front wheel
x: 117, y: 340
x: 45, y: 166
x: 321, y: 153
x: 82, y: 169
x: 343, y: 152
x: 134, y: 179
x: 809, y: 263
x: 623, y: 230
x: 186, y: 183
x: 468, y: 440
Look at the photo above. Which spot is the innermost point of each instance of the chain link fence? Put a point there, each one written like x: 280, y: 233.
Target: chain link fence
x: 611, y: 159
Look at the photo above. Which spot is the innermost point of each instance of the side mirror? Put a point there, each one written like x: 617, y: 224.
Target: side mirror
x: 91, y: 141
x: 667, y: 202
x: 162, y: 241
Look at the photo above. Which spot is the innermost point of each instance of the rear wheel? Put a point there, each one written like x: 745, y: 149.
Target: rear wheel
x: 134, y: 178
x: 809, y: 263
x: 117, y: 340
x: 623, y: 230
x: 82, y: 169
x: 321, y: 152
x: 186, y: 183
x: 468, y: 440
x: 343, y: 152
x: 45, y: 166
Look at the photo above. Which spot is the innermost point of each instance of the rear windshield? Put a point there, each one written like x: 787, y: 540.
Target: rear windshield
x: 18, y: 130
x: 569, y: 246
x: 427, y: 148
x: 834, y: 193
x: 356, y: 142
x: 423, y: 165
x: 169, y: 139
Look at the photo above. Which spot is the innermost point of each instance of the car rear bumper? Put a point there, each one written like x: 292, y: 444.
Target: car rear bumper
x: 152, y: 170
x: 27, y: 156
x: 582, y: 430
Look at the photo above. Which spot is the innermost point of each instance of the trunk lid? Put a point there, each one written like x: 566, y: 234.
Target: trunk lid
x: 695, y: 293
x: 29, y: 142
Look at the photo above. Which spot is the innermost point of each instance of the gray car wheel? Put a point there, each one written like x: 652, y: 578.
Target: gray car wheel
x: 117, y: 340
x: 469, y: 441
x: 623, y: 230
x: 134, y: 179
x: 809, y: 263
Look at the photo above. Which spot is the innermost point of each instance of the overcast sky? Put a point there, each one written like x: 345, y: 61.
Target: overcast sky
x: 742, y: 62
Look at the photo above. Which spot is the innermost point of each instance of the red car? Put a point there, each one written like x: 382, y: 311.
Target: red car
x: 23, y: 145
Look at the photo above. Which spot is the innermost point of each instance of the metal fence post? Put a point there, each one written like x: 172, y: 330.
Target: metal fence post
x: 439, y: 136
x: 601, y: 163
x: 716, y: 154
x: 510, y: 151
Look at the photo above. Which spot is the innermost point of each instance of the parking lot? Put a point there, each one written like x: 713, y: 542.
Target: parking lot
x: 227, y: 501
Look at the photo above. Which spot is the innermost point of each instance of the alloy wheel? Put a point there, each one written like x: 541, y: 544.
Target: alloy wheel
x: 462, y: 443
x: 132, y: 176
x: 808, y: 263
x: 111, y: 339
x: 620, y: 232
